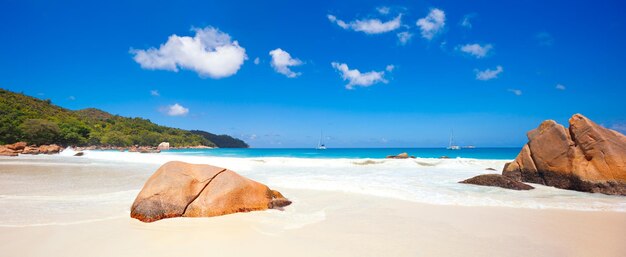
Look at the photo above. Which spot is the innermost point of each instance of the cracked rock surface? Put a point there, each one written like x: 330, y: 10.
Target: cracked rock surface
x: 585, y: 157
x: 179, y: 189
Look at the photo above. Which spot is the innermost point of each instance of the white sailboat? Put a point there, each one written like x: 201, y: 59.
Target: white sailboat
x: 451, y: 145
x: 320, y: 144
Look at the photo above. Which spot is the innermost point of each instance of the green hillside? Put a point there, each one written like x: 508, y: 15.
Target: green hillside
x: 25, y: 118
x: 224, y: 141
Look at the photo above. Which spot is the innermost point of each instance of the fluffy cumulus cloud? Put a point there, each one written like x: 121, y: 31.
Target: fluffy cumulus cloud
x: 210, y: 53
x: 488, y: 74
x: 357, y: 78
x: 176, y: 110
x: 257, y: 60
x: 432, y: 24
x: 560, y: 87
x: 404, y: 37
x: 517, y: 92
x: 476, y: 50
x: 281, y: 61
x: 368, y: 26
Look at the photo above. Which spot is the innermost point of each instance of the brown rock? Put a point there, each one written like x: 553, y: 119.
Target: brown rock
x: 79, y: 154
x: 30, y: 150
x: 497, y: 180
x: 17, y: 146
x: 179, y: 189
x: 586, y: 157
x: 148, y: 150
x: 399, y: 156
x: 49, y: 149
x: 5, y: 151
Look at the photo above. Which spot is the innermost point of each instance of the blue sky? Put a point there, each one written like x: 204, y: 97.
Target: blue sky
x: 490, y: 70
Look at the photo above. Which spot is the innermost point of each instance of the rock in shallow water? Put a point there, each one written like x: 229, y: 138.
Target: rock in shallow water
x: 497, y: 180
x: 179, y: 189
x: 399, y: 156
x: 586, y: 157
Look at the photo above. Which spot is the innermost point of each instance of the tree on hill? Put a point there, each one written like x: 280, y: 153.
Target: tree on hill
x: 39, y: 131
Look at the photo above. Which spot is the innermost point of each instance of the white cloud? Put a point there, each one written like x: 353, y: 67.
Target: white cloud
x: 209, y: 53
x: 517, y: 92
x: 390, y: 67
x: 71, y: 98
x: 281, y: 61
x: 384, y: 10
x: 488, y: 74
x: 466, y: 22
x: 560, y: 87
x: 154, y: 93
x: 369, y: 26
x: 176, y: 110
x: 621, y: 127
x: 544, y: 39
x: 475, y: 50
x: 257, y: 60
x: 404, y: 37
x: 356, y: 78
x: 432, y: 24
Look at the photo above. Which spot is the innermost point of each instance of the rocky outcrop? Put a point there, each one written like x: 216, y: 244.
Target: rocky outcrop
x: 585, y: 157
x: 19, y: 146
x: 163, y: 146
x: 50, y: 149
x: 6, y: 151
x: 497, y: 180
x: 147, y: 149
x: 179, y: 189
x: 22, y: 148
x: 399, y: 156
x: 30, y: 150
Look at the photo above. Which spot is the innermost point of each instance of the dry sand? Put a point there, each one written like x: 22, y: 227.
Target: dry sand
x: 336, y: 224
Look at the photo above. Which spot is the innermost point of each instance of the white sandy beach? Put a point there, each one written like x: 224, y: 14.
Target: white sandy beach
x: 79, y: 206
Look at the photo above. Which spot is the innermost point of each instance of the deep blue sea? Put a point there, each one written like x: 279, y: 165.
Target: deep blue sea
x: 333, y: 153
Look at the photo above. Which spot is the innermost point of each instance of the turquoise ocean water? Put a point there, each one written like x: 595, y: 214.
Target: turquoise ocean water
x: 333, y: 153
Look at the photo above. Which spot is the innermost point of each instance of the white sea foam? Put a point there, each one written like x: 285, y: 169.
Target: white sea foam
x: 424, y: 180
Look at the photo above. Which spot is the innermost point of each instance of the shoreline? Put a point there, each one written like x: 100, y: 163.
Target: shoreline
x: 422, y: 180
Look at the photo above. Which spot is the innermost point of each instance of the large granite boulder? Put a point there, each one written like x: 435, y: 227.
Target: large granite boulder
x: 586, y: 157
x: 179, y: 189
x: 497, y: 180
